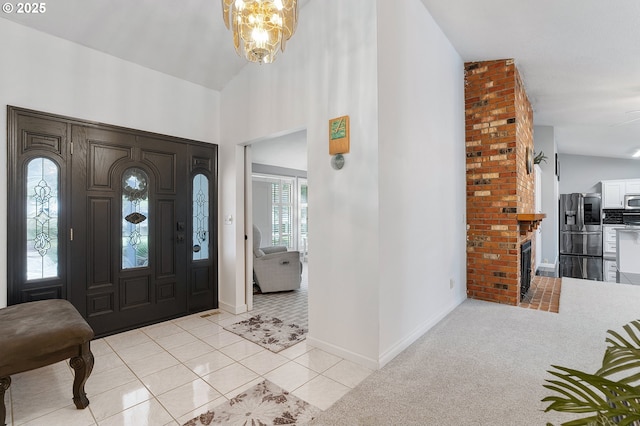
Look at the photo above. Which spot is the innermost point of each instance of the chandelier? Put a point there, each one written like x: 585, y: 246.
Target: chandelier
x: 260, y: 27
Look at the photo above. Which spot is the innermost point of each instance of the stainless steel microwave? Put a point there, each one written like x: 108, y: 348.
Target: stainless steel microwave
x: 632, y: 202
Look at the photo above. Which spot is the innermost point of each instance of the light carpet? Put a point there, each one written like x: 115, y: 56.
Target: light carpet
x: 263, y: 404
x: 485, y: 363
x: 269, y: 332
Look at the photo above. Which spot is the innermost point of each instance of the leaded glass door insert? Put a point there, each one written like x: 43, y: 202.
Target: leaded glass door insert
x: 42, y: 219
x: 200, y: 196
x: 135, y: 223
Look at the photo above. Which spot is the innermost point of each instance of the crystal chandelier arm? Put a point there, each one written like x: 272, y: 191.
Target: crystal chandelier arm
x: 289, y: 21
x: 236, y: 32
x: 226, y: 7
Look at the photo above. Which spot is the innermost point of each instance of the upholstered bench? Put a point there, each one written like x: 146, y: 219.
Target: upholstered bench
x: 36, y: 334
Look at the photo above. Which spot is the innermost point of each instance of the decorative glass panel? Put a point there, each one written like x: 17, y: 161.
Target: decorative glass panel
x: 135, y: 225
x: 200, y: 217
x: 42, y: 219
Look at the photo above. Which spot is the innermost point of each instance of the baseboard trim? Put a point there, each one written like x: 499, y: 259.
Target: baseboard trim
x: 343, y: 353
x: 403, y: 344
x: 240, y: 309
x: 392, y: 352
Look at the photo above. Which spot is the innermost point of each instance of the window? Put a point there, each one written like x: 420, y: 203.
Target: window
x: 42, y: 219
x: 135, y: 211
x: 303, y: 244
x: 280, y: 204
x: 200, y: 196
x: 282, y: 213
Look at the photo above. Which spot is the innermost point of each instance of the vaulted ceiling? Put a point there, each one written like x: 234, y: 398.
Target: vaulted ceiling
x: 580, y: 59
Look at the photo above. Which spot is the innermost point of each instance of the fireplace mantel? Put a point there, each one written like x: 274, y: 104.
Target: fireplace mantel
x: 529, y: 221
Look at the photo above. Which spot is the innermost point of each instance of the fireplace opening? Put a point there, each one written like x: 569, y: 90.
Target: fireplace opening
x: 525, y: 268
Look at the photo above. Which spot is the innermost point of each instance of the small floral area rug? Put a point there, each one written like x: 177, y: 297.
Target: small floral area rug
x: 263, y: 404
x: 269, y: 332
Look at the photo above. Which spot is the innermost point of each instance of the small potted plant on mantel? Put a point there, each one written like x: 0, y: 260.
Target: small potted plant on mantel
x: 611, y: 395
x: 539, y: 158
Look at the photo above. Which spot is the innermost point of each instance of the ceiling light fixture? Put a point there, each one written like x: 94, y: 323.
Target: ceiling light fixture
x: 260, y: 27
x: 637, y: 154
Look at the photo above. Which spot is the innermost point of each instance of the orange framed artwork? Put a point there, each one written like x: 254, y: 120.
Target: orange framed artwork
x: 339, y: 135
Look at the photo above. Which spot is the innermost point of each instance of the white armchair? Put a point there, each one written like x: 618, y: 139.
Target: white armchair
x: 275, y: 268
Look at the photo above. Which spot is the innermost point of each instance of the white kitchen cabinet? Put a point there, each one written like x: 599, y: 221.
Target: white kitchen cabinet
x: 609, y: 269
x: 632, y: 186
x: 609, y: 240
x: 613, y: 194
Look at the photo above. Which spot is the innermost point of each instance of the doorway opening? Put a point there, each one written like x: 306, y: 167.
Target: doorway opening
x: 277, y: 220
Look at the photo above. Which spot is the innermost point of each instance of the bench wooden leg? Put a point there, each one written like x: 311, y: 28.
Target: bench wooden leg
x: 82, y: 366
x: 5, y: 382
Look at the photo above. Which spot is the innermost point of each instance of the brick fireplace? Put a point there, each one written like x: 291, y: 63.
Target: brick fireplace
x: 500, y: 189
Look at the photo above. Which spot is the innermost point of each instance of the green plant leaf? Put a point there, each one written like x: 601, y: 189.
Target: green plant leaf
x: 622, y: 356
x: 538, y: 158
x: 609, y: 401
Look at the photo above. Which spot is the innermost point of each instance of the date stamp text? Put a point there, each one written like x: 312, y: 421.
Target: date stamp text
x: 25, y: 8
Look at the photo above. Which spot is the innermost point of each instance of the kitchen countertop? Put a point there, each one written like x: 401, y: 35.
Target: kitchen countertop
x: 628, y: 249
x: 628, y: 278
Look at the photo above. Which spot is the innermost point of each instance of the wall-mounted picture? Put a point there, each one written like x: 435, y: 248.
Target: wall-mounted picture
x: 339, y: 135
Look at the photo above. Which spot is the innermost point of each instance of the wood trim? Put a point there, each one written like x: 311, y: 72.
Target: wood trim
x: 529, y: 221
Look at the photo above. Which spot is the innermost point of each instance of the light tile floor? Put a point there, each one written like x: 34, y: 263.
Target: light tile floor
x: 168, y: 373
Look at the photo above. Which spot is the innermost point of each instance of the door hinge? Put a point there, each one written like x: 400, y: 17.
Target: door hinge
x: 70, y: 234
x: 71, y: 148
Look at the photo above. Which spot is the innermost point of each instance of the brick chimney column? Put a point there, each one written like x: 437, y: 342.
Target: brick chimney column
x: 499, y: 135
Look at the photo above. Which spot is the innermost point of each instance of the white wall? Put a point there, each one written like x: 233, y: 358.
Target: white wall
x: 328, y: 70
x: 581, y: 173
x: 288, y: 151
x: 422, y: 174
x: 544, y: 141
x: 373, y: 288
x: 49, y: 74
x: 261, y: 206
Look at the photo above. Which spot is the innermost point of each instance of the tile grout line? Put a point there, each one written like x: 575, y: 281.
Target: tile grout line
x: 235, y: 361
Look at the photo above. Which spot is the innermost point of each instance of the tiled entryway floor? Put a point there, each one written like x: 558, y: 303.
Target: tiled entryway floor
x: 168, y: 373
x: 544, y: 294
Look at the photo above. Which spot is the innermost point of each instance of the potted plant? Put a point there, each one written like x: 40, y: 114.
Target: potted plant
x: 611, y: 395
x: 538, y: 158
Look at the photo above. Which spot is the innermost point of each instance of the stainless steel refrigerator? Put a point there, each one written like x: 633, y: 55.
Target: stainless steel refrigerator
x: 581, y: 236
x: 581, y: 224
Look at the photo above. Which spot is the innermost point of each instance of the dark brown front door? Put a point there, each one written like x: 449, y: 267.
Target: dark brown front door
x: 130, y: 260
x: 134, y: 231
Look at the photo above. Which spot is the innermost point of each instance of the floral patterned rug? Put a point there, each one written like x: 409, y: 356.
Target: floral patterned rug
x: 263, y: 404
x: 269, y: 332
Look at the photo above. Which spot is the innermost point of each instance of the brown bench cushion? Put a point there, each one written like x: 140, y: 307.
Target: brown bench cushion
x: 36, y: 334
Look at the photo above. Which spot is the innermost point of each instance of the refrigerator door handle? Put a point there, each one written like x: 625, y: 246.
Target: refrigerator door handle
x: 580, y: 218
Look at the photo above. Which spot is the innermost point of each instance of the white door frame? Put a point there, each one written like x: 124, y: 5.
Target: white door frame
x: 248, y: 228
